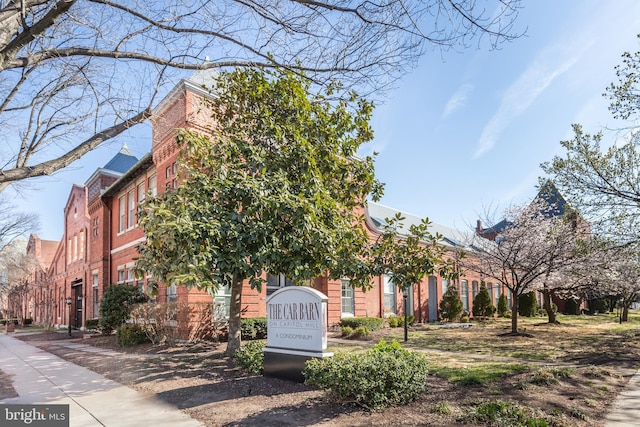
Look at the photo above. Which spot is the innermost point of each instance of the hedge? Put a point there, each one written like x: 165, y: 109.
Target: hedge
x: 371, y: 323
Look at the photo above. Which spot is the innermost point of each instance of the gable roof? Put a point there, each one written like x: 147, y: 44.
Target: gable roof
x: 122, y: 161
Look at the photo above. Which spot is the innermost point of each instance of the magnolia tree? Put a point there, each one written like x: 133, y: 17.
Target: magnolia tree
x: 276, y: 188
x: 530, y: 253
x: 77, y: 73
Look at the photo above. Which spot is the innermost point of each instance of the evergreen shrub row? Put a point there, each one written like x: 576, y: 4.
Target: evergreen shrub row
x: 371, y: 323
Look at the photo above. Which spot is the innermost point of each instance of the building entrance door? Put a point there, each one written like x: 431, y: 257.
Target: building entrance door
x: 77, y: 297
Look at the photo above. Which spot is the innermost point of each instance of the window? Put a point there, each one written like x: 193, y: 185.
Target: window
x: 121, y: 212
x: 496, y: 289
x: 490, y: 290
x: 174, y: 168
x: 348, y: 300
x: 96, y: 302
x: 121, y: 275
x: 69, y: 250
x: 509, y: 299
x: 81, y: 244
x: 167, y: 172
x: 152, y: 185
x: 222, y: 302
x: 464, y: 294
x: 172, y: 293
x: 75, y: 247
x: 277, y: 281
x: 445, y: 286
x: 141, y: 193
x: 95, y: 227
x: 474, y: 289
x: 389, y: 295
x: 132, y: 208
x: 130, y: 276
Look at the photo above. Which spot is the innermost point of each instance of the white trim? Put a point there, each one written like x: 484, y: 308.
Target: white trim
x: 127, y: 245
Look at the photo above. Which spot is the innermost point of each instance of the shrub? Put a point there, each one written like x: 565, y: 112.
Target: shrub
x: 372, y: 323
x: 410, y: 320
x: 159, y: 320
x: 381, y: 377
x: 361, y: 332
x: 116, y: 305
x: 92, y: 324
x: 27, y: 322
x: 464, y: 319
x: 250, y: 357
x: 253, y: 328
x: 571, y: 307
x: 503, y: 305
x: 130, y: 335
x: 528, y: 304
x: 501, y: 413
x: 451, y: 305
x: 347, y: 331
x: 394, y: 322
x: 482, y: 306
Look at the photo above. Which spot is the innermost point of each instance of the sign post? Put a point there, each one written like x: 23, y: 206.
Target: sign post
x: 296, y: 331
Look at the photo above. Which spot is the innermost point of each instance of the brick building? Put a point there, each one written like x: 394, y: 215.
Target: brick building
x: 99, y: 245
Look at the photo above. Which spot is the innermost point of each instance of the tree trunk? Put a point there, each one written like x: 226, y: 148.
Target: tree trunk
x: 546, y: 293
x: 235, y: 309
x: 514, y: 314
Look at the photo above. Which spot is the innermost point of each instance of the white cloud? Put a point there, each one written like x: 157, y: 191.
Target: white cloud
x: 550, y: 64
x: 458, y: 100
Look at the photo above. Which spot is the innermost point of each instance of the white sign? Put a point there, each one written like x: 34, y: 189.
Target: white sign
x: 297, y: 319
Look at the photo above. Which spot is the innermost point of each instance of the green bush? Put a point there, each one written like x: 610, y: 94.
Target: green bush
x: 451, y: 305
x: 250, y: 357
x: 361, y: 332
x: 482, y: 306
x: 385, y: 375
x: 501, y: 413
x: 528, y: 304
x: 92, y: 324
x: 27, y: 322
x: 347, y: 331
x: 464, y: 319
x: 394, y: 322
x: 410, y: 320
x: 503, y: 305
x: 116, y: 305
x: 130, y: 335
x: 253, y: 328
x: 372, y: 323
x: 571, y: 307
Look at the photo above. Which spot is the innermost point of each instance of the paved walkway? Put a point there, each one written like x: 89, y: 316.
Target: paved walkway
x: 40, y: 377
x: 625, y: 411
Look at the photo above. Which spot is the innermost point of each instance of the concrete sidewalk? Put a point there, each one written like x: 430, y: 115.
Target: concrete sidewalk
x: 40, y: 377
x: 625, y: 411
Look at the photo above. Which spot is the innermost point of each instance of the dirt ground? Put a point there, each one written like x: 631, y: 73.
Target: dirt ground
x: 199, y: 380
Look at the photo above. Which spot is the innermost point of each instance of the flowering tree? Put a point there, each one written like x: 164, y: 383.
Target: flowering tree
x: 534, y: 248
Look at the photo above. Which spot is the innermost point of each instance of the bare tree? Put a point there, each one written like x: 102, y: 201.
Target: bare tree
x: 14, y: 224
x: 76, y: 73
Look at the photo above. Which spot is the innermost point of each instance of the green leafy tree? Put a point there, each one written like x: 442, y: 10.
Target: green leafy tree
x: 116, y: 305
x: 277, y: 187
x: 528, y: 304
x: 503, y: 305
x: 451, y: 305
x: 482, y: 306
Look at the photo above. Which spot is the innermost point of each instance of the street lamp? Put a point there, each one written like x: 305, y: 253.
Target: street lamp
x: 406, y: 329
x: 68, y: 301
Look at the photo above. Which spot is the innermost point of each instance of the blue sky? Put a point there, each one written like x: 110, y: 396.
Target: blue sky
x: 467, y: 130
